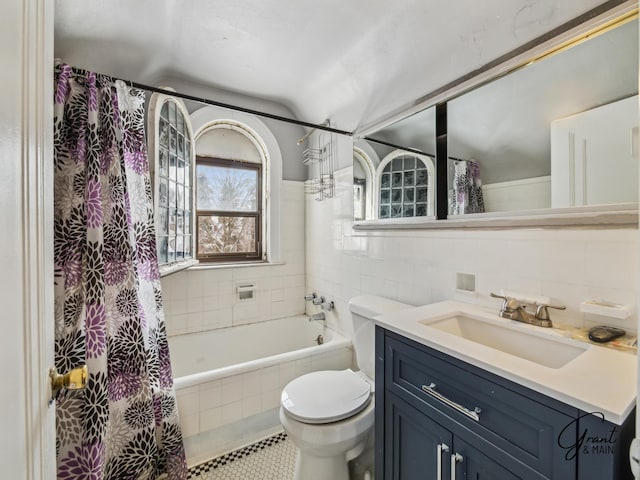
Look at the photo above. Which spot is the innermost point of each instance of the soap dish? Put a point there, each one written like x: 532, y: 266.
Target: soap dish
x: 607, y: 309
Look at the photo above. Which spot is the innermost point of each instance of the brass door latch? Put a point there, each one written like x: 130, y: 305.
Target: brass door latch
x: 73, y: 380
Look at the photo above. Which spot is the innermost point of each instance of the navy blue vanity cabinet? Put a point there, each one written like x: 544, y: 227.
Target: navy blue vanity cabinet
x: 423, y: 449
x: 440, y: 418
x: 415, y: 442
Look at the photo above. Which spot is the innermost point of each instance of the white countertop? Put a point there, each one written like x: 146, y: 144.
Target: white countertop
x: 599, y: 380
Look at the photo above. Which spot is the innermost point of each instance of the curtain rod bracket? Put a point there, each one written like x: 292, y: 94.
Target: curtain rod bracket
x: 326, y: 123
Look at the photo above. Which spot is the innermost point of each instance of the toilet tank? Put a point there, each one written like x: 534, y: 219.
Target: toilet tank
x: 363, y: 308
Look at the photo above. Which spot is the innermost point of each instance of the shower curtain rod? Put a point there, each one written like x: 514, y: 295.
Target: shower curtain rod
x: 214, y: 103
x: 408, y: 149
x: 412, y: 150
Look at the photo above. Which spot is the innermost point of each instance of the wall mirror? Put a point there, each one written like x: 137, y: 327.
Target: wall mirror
x: 394, y: 174
x: 558, y: 133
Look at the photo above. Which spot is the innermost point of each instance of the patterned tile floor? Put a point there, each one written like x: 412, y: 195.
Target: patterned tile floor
x: 270, y: 459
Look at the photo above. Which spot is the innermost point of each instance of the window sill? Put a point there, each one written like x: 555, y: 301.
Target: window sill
x: 218, y: 266
x: 177, y: 267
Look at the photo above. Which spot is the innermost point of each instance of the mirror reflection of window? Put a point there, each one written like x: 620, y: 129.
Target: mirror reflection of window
x: 363, y: 174
x: 359, y: 198
x: 556, y: 133
x: 405, y: 185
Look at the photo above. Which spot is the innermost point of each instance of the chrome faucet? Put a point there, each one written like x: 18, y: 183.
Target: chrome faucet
x: 317, y: 316
x: 515, y: 310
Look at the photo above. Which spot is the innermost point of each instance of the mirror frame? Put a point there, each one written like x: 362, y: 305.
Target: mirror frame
x: 598, y: 20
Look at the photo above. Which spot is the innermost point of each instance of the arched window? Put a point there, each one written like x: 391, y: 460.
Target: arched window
x: 229, y: 212
x: 230, y: 161
x: 405, y: 185
x: 171, y: 155
x: 220, y: 133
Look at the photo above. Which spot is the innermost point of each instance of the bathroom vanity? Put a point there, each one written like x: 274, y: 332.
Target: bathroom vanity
x: 450, y: 406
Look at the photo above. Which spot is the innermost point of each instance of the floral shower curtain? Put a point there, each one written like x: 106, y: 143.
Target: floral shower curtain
x: 124, y: 423
x: 467, y: 188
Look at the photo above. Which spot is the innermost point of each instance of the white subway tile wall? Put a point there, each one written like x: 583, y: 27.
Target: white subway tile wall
x: 568, y: 265
x: 205, y: 299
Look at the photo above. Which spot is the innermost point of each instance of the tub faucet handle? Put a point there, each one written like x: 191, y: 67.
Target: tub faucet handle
x: 310, y: 296
x: 318, y: 301
x: 328, y: 306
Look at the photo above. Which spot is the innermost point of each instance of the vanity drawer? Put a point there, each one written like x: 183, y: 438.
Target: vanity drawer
x: 522, y: 423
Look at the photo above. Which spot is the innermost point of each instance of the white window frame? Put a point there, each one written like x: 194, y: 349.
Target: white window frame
x: 369, y: 168
x: 209, y: 117
x: 156, y: 103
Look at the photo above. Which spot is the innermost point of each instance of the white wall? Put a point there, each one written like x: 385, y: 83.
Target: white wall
x: 526, y: 194
x: 418, y: 267
x: 205, y: 298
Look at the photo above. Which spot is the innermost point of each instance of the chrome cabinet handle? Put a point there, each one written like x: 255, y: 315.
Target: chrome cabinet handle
x: 440, y: 449
x: 431, y: 390
x: 455, y: 459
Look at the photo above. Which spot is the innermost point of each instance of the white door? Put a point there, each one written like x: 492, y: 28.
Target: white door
x: 27, y: 437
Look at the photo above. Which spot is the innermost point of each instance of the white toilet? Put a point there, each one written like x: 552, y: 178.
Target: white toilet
x: 328, y: 414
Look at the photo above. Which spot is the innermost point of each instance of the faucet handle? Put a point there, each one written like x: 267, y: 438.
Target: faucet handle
x: 509, y: 305
x: 318, y: 300
x: 543, y: 314
x: 495, y: 295
x: 505, y: 300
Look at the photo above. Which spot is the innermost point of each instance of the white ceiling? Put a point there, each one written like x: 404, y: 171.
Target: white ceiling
x: 354, y: 61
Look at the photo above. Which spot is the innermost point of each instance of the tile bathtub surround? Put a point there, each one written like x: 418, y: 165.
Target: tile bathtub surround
x: 205, y: 299
x: 213, y: 413
x: 418, y: 267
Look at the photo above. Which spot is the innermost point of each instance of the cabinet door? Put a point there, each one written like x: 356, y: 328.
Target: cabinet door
x: 474, y: 465
x: 416, y: 447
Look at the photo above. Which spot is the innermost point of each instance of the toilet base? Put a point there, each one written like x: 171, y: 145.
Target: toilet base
x: 324, y: 450
x: 311, y: 467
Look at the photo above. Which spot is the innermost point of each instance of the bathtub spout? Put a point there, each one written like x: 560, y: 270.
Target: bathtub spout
x: 317, y: 316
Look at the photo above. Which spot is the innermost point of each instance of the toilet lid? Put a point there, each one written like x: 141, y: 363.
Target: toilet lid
x: 325, y: 396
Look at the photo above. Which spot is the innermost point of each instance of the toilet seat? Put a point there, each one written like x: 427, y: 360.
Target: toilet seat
x: 325, y: 396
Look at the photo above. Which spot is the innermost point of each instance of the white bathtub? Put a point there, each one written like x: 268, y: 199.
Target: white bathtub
x: 228, y: 381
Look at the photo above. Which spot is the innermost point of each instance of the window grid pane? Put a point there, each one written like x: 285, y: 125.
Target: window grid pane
x: 219, y: 234
x: 180, y: 150
x: 173, y: 178
x: 228, y: 189
x: 228, y: 210
x: 403, y: 188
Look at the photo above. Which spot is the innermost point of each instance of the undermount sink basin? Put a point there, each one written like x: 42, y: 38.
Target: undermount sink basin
x: 548, y: 351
